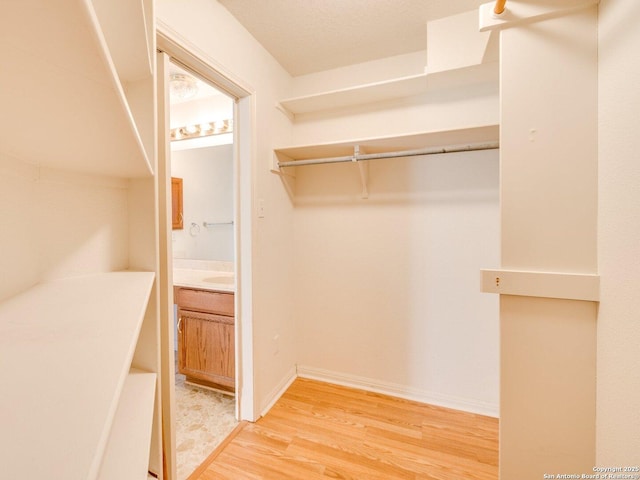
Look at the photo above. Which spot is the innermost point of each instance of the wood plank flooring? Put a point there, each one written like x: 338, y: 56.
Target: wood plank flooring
x: 320, y: 431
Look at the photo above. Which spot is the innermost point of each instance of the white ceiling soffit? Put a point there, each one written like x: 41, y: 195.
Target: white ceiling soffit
x: 308, y: 36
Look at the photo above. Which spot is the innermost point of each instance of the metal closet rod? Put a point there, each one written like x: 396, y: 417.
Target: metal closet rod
x: 356, y: 157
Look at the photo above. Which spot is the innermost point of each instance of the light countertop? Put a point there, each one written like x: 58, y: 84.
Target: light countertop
x: 202, y: 274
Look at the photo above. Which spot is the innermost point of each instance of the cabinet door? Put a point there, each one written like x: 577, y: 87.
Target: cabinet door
x: 206, y: 348
x: 177, y: 219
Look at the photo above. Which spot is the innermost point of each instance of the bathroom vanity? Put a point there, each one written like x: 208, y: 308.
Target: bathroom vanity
x: 206, y: 327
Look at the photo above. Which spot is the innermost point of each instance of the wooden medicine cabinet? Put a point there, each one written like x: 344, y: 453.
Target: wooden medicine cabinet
x: 177, y: 217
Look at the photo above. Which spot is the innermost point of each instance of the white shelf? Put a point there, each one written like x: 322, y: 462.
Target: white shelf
x: 131, y: 45
x: 569, y: 286
x: 65, y: 352
x: 130, y: 42
x: 391, y: 89
x: 460, y: 136
x: 63, y: 105
x: 371, y: 92
x: 127, y: 453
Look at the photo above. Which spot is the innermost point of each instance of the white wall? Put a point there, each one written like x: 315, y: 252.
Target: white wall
x: 207, y: 182
x: 18, y: 202
x: 228, y: 46
x: 360, y: 73
x: 57, y: 224
x: 387, y: 288
x: 439, y: 109
x: 201, y: 110
x: 618, y: 392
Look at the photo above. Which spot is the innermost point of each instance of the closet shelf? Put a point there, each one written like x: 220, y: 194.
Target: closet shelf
x: 130, y: 43
x: 62, y: 100
x: 127, y: 453
x: 131, y: 46
x: 66, y: 348
x: 563, y: 285
x: 484, y: 135
x: 391, y: 89
x: 460, y: 136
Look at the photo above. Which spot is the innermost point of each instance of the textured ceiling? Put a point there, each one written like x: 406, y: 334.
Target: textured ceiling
x: 307, y: 36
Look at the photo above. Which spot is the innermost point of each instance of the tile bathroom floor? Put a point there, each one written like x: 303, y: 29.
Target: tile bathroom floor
x: 204, y: 418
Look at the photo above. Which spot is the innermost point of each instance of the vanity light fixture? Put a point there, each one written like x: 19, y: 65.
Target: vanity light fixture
x: 205, y: 129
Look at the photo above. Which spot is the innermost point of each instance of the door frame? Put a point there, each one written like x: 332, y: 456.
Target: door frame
x: 171, y: 46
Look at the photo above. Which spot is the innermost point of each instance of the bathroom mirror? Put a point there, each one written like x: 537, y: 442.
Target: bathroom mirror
x: 177, y: 216
x: 207, y: 203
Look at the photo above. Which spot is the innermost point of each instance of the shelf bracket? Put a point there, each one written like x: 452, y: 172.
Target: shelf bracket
x: 288, y: 177
x: 279, y: 158
x: 282, y: 109
x: 363, y: 169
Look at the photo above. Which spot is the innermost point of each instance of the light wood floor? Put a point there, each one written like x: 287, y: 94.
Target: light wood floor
x: 320, y: 431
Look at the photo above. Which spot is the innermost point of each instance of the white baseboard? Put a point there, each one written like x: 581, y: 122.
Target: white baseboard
x: 396, y: 390
x: 277, y: 392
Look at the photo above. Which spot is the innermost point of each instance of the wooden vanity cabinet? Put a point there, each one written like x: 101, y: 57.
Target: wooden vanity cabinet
x: 206, y: 337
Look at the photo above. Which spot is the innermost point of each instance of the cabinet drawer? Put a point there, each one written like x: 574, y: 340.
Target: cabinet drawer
x: 205, y: 301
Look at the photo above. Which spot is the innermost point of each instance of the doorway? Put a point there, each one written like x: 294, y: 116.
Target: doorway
x: 203, y: 240
x: 231, y: 138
